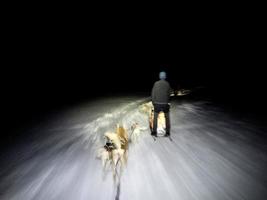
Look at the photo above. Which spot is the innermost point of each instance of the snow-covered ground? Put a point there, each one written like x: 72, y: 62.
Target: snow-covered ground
x: 212, y: 156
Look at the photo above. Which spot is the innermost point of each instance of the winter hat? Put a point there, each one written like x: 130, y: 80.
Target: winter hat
x: 162, y: 75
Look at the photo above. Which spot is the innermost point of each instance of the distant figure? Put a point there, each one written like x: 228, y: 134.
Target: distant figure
x: 160, y: 98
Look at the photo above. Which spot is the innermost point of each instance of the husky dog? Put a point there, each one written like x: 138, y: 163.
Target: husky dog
x: 136, y: 130
x: 146, y: 108
x: 115, y: 151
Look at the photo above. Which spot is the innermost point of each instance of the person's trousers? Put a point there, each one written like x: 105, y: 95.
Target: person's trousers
x: 157, y: 109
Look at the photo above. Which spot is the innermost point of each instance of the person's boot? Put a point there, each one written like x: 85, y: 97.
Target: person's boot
x: 153, y: 133
x: 167, y: 134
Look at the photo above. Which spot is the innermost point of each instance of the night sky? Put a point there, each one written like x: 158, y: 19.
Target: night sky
x: 52, y: 67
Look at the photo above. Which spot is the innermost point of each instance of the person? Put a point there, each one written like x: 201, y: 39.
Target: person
x: 160, y: 98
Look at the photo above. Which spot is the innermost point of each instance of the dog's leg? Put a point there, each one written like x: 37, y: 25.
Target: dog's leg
x: 105, y: 163
x: 106, y: 160
x: 114, y: 164
x: 125, y: 158
x: 119, y: 168
x: 104, y: 157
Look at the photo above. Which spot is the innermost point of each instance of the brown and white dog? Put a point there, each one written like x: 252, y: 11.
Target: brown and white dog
x: 115, y: 152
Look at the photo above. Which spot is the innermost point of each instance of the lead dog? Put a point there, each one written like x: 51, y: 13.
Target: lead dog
x: 115, y: 151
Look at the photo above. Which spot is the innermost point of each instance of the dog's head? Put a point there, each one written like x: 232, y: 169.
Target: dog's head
x: 113, y: 138
x: 109, y: 135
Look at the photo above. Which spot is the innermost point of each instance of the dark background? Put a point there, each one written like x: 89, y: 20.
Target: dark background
x: 48, y: 67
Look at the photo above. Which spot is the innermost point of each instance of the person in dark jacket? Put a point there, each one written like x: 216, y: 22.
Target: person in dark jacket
x: 160, y: 98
